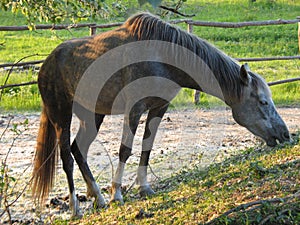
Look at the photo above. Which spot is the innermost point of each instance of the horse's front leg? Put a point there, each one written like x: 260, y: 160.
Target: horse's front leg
x: 131, y: 122
x: 116, y: 193
x: 153, y: 120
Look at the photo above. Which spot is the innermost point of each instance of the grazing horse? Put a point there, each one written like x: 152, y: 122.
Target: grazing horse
x: 136, y: 68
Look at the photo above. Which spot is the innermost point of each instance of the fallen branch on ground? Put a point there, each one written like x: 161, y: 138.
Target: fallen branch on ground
x: 250, y: 206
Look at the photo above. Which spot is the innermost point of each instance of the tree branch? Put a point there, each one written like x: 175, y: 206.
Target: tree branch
x: 175, y: 11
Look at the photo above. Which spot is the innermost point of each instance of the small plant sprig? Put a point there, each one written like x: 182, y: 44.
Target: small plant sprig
x: 8, y: 182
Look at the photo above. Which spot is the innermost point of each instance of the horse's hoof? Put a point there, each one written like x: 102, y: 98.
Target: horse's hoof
x: 74, y: 206
x: 146, y: 191
x: 100, y: 204
x: 116, y: 197
x: 77, y: 216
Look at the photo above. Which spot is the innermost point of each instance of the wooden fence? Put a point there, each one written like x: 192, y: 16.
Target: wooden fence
x: 190, y: 24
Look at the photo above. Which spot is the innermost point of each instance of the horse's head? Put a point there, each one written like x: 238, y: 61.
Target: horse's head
x: 256, y: 111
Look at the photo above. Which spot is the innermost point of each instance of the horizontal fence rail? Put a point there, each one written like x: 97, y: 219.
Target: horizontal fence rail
x: 21, y: 63
x: 18, y: 85
x: 47, y: 27
x: 187, y: 21
x: 242, y: 24
x: 268, y: 58
x: 284, y: 81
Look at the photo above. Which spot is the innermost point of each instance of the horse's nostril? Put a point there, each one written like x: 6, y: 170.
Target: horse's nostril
x: 286, y: 135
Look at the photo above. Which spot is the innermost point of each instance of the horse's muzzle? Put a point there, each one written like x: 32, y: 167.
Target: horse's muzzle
x: 282, y: 138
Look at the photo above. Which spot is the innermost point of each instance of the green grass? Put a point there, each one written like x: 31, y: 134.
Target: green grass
x: 18, y: 99
x: 244, y: 42
x: 196, y: 196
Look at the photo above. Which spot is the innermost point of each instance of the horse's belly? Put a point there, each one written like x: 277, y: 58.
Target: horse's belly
x: 102, y: 106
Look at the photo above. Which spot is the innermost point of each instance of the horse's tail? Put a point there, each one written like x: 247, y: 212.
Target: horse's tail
x: 45, y: 159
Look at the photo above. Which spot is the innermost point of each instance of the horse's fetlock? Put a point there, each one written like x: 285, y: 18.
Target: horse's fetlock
x: 116, y: 193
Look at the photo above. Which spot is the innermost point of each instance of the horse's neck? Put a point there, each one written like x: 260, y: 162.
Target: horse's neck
x: 207, y: 69
x: 201, y: 77
x: 219, y: 77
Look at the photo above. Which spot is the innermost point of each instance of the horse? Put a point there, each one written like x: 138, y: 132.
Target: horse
x: 134, y: 69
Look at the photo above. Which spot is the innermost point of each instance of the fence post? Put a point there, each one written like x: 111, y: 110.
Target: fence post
x: 196, y: 93
x: 298, y: 17
x: 93, y: 30
x: 190, y: 28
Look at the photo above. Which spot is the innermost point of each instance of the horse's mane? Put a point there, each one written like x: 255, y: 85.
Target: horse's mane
x: 145, y: 26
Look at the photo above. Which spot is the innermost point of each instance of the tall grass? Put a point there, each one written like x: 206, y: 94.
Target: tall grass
x: 243, y: 42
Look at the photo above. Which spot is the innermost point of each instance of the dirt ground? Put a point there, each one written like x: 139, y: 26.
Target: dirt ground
x: 185, y: 138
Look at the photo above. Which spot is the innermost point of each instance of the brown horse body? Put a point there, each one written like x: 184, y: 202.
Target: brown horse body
x: 133, y: 69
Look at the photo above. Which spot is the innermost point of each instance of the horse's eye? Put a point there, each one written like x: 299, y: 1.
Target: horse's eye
x: 263, y: 102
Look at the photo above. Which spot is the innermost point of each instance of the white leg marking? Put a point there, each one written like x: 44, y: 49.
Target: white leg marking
x: 141, y: 179
x: 116, y: 194
x: 119, y: 173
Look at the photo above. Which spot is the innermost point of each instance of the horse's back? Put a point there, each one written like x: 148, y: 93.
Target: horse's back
x: 64, y: 67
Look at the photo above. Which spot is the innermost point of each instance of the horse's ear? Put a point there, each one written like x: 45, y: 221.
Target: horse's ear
x: 245, y: 78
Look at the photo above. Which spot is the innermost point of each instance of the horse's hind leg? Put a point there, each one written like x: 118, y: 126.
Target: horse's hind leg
x: 153, y: 120
x: 68, y: 166
x: 131, y: 122
x: 85, y: 136
x: 61, y: 122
